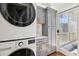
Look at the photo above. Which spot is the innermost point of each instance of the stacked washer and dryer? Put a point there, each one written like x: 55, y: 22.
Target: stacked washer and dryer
x: 17, y: 29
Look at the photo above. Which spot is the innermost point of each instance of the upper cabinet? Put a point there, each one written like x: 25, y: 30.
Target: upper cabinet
x: 51, y: 16
x: 40, y: 15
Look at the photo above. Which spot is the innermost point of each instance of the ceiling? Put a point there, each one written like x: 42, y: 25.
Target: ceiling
x: 63, y: 6
x: 60, y: 6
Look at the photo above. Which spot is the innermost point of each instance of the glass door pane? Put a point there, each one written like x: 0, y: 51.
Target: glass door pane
x: 64, y: 30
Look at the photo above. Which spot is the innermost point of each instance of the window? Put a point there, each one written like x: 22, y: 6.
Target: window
x: 64, y: 23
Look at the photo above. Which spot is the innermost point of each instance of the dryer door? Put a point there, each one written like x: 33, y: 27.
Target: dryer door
x: 23, y: 52
x: 18, y: 14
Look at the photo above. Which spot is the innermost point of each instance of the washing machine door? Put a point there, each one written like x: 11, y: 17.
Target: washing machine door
x: 23, y: 52
x: 18, y: 14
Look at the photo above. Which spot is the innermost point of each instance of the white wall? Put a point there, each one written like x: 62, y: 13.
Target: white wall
x: 39, y: 30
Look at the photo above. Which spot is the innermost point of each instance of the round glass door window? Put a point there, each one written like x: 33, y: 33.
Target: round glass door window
x: 23, y: 52
x: 18, y: 14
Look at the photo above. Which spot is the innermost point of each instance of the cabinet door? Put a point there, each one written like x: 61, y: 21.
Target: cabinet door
x: 44, y: 49
x: 51, y: 16
x: 52, y: 39
x: 38, y: 50
x: 38, y: 47
x: 40, y: 15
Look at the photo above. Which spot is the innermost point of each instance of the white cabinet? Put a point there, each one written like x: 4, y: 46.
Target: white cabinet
x: 51, y: 16
x: 42, y: 47
x: 49, y: 28
x: 52, y: 39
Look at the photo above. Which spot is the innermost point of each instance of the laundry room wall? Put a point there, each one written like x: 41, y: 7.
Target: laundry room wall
x: 39, y: 29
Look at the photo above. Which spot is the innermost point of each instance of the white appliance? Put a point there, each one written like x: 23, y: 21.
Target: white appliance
x: 17, y: 21
x: 22, y: 47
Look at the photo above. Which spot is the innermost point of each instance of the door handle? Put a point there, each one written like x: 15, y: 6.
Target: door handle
x: 58, y: 31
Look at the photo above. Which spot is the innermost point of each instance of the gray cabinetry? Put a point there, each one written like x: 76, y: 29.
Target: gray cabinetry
x: 42, y: 46
x: 50, y: 21
x: 40, y: 15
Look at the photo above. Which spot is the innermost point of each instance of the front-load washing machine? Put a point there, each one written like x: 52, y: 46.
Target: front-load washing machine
x: 22, y: 47
x: 17, y: 20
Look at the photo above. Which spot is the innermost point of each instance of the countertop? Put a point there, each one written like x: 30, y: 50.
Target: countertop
x: 39, y: 37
